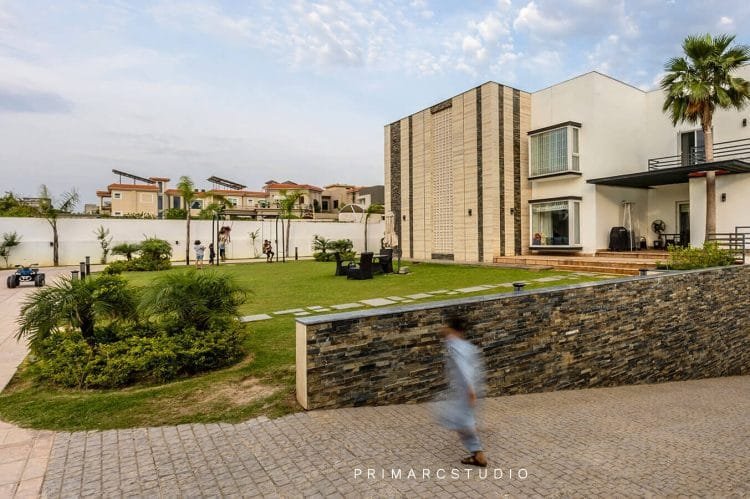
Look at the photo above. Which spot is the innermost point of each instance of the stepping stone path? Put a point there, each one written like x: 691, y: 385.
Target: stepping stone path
x: 378, y: 302
x: 472, y: 289
x: 346, y: 306
x: 254, y: 318
x: 395, y: 300
x: 290, y: 311
x: 419, y: 296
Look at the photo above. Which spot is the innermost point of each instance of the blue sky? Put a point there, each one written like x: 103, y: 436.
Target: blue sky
x: 300, y: 90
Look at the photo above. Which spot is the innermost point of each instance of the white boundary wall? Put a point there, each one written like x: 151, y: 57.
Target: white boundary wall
x: 78, y: 238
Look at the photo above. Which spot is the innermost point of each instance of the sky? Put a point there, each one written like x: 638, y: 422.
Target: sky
x: 289, y: 90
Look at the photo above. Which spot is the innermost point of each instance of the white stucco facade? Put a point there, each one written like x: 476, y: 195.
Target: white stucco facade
x: 620, y: 128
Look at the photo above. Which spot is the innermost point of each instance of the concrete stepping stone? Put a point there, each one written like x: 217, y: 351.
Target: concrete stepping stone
x: 255, y: 318
x: 472, y: 289
x: 408, y: 301
x: 440, y: 292
x: 395, y: 298
x: 301, y: 314
x: 346, y: 306
x: 452, y: 293
x: 378, y: 302
x: 290, y: 311
x: 419, y: 296
x: 322, y: 310
x: 548, y: 279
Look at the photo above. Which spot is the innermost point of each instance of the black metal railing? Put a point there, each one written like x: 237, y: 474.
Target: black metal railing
x: 733, y: 242
x: 744, y: 230
x: 731, y: 149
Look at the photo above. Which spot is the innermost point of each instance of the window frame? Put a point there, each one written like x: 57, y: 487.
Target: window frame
x: 572, y: 151
x: 574, y: 223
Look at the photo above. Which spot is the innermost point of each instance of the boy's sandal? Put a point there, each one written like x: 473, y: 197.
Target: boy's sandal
x: 472, y: 461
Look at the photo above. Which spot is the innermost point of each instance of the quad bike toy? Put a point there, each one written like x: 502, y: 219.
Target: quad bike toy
x: 26, y: 274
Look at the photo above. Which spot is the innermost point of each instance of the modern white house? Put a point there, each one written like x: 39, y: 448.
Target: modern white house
x: 599, y: 154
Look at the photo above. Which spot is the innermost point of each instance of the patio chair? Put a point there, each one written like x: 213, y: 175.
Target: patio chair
x: 363, y: 270
x: 386, y: 260
x: 341, y: 269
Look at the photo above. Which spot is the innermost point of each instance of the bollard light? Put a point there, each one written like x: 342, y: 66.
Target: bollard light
x: 74, y: 275
x: 82, y: 267
x: 518, y: 286
x: 88, y: 265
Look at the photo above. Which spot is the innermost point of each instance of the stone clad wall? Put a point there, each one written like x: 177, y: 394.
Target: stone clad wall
x: 637, y: 330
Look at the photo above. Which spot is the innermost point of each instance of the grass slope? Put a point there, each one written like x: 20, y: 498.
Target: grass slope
x: 263, y: 383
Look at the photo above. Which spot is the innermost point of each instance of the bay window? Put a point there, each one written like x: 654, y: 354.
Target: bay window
x: 556, y: 223
x: 554, y: 151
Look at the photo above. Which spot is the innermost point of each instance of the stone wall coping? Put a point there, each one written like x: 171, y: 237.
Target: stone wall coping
x: 374, y: 312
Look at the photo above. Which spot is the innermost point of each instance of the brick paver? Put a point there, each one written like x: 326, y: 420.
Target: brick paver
x: 670, y: 439
x: 23, y: 453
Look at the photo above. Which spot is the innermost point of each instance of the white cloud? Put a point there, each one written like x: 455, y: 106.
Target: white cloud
x: 530, y: 18
x: 726, y: 23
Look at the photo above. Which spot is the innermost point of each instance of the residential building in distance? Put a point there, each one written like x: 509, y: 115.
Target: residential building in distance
x: 497, y: 172
x: 152, y: 196
x: 142, y: 196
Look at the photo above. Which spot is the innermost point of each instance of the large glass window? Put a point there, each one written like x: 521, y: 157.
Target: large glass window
x: 556, y: 223
x: 550, y: 152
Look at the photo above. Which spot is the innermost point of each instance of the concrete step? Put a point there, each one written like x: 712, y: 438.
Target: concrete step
x: 635, y: 255
x: 580, y: 262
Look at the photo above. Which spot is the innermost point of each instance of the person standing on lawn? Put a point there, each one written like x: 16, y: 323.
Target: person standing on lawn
x: 211, y: 254
x: 199, y: 252
x: 465, y: 373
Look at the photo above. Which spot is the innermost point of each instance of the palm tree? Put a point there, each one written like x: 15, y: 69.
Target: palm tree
x: 698, y: 84
x: 194, y: 299
x: 126, y: 249
x: 188, y: 195
x: 373, y: 208
x: 50, y: 211
x: 78, y: 304
x: 287, y: 204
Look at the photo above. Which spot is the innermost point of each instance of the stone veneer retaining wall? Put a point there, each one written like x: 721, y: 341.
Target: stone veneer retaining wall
x: 650, y: 329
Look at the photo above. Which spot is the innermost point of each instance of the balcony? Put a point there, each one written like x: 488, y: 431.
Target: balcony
x: 732, y: 149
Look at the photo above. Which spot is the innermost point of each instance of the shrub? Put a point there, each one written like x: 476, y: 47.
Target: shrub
x: 72, y: 304
x: 88, y: 334
x: 710, y: 255
x: 202, y: 299
x: 154, y: 254
x: 175, y: 214
x: 326, y: 249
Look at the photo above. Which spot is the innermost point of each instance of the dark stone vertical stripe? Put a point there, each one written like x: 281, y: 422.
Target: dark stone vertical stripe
x: 501, y: 163
x: 396, y: 177
x: 411, y: 190
x: 517, y: 171
x: 480, y: 203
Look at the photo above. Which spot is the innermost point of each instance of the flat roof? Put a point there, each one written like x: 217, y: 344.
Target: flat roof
x: 675, y: 175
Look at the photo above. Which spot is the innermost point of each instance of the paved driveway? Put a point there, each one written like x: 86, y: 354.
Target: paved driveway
x: 669, y: 439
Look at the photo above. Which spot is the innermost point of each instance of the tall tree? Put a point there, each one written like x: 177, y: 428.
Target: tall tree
x: 188, y: 195
x: 700, y: 82
x: 51, y: 211
x: 9, y: 241
x: 287, y: 204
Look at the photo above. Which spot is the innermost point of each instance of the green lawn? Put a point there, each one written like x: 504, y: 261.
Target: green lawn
x: 263, y: 383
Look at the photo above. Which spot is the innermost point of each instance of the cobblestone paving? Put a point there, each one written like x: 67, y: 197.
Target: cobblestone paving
x: 669, y: 439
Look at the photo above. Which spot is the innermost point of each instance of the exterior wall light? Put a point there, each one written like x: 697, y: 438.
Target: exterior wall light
x: 744, y: 121
x: 469, y: 211
x: 723, y: 197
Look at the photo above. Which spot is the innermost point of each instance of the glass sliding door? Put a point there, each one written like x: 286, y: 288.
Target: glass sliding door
x: 556, y: 223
